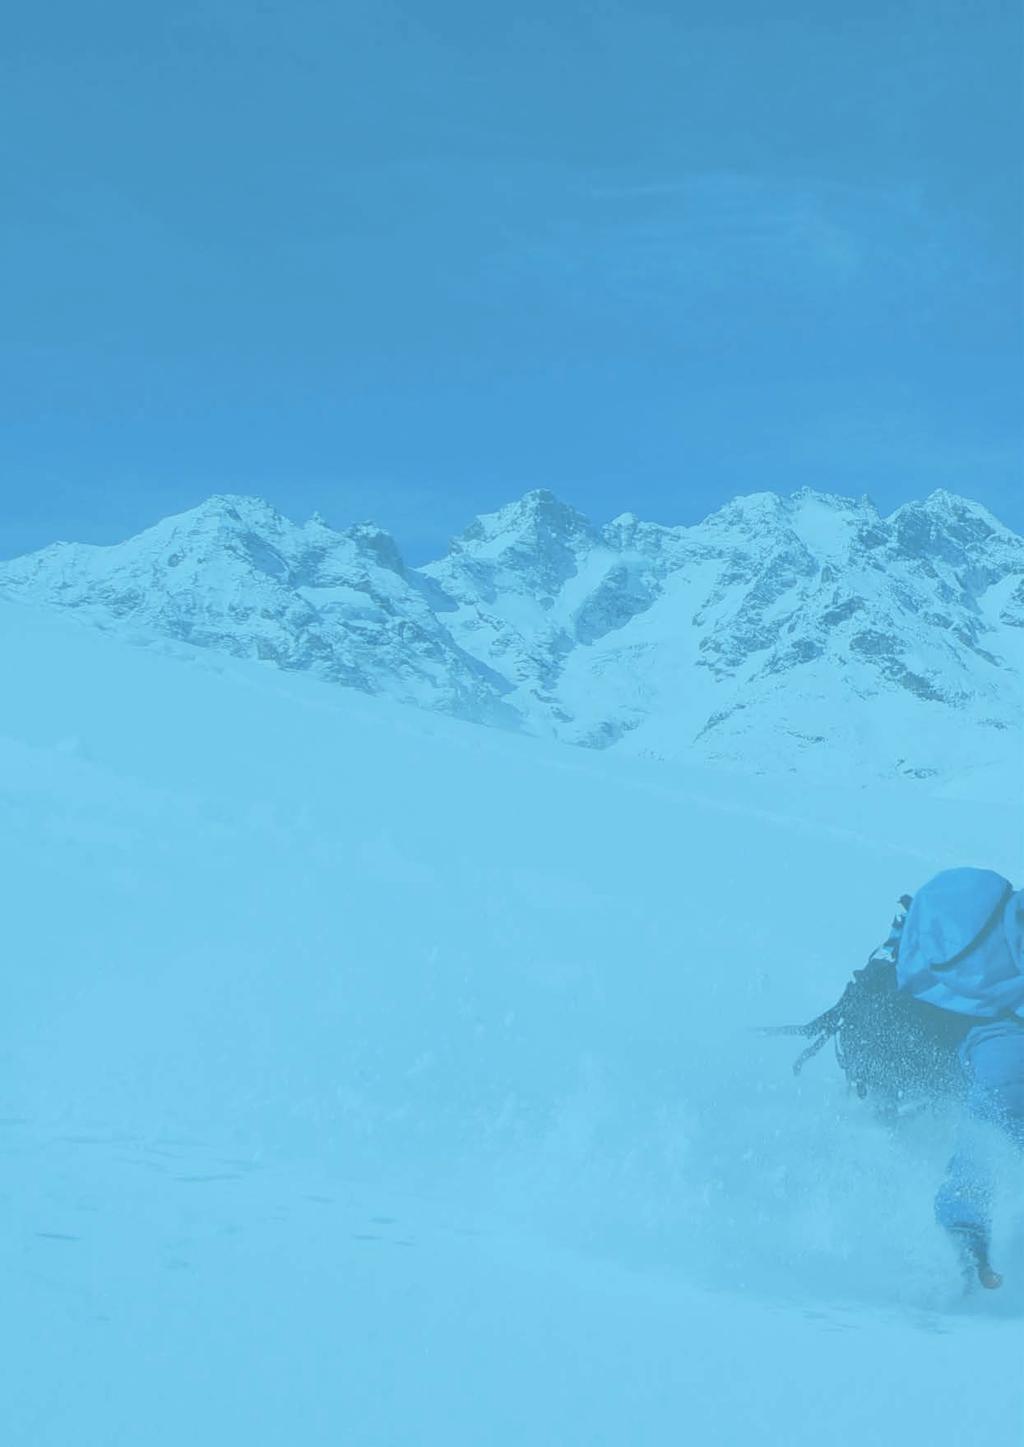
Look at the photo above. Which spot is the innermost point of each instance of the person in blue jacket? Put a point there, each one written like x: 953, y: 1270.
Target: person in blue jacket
x: 962, y: 949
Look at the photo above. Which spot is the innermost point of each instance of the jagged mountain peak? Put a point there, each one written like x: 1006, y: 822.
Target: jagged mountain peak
x: 233, y: 512
x: 825, y: 522
x: 947, y: 518
x: 238, y: 506
x: 957, y: 536
x: 528, y: 549
x: 538, y: 514
x: 749, y: 507
x: 241, y: 530
x: 375, y: 543
x: 656, y: 543
x: 954, y: 504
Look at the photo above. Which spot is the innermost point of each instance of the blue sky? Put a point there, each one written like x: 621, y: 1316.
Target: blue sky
x: 408, y: 261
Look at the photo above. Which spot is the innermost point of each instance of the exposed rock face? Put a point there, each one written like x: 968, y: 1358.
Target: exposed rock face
x: 236, y: 576
x: 802, y: 633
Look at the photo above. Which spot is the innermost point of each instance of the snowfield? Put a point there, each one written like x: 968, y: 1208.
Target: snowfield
x: 374, y: 1078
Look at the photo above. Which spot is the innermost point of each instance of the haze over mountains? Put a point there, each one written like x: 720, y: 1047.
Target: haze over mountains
x: 799, y: 633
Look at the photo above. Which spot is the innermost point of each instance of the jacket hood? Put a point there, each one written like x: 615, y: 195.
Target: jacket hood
x: 963, y: 944
x: 949, y: 912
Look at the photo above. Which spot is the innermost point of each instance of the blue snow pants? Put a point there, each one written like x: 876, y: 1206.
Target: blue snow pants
x: 993, y: 1054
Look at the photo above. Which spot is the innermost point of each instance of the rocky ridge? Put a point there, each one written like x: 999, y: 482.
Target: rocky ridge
x: 797, y: 633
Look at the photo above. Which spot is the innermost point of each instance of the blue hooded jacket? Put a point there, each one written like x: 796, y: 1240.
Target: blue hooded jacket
x: 963, y: 944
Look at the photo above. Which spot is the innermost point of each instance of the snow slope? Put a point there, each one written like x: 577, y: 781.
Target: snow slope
x: 373, y: 1078
x: 772, y: 637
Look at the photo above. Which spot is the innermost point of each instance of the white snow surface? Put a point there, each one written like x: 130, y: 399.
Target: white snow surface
x: 777, y: 636
x: 373, y: 1078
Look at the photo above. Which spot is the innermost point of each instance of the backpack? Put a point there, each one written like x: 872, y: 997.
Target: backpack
x: 897, y: 1049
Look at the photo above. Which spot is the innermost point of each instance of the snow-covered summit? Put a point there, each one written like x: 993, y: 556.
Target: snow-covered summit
x: 233, y: 574
x: 825, y: 524
x: 533, y: 546
x: 537, y: 515
x: 783, y: 632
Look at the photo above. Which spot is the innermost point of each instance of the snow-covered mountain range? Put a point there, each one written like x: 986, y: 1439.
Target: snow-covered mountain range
x: 800, y: 633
